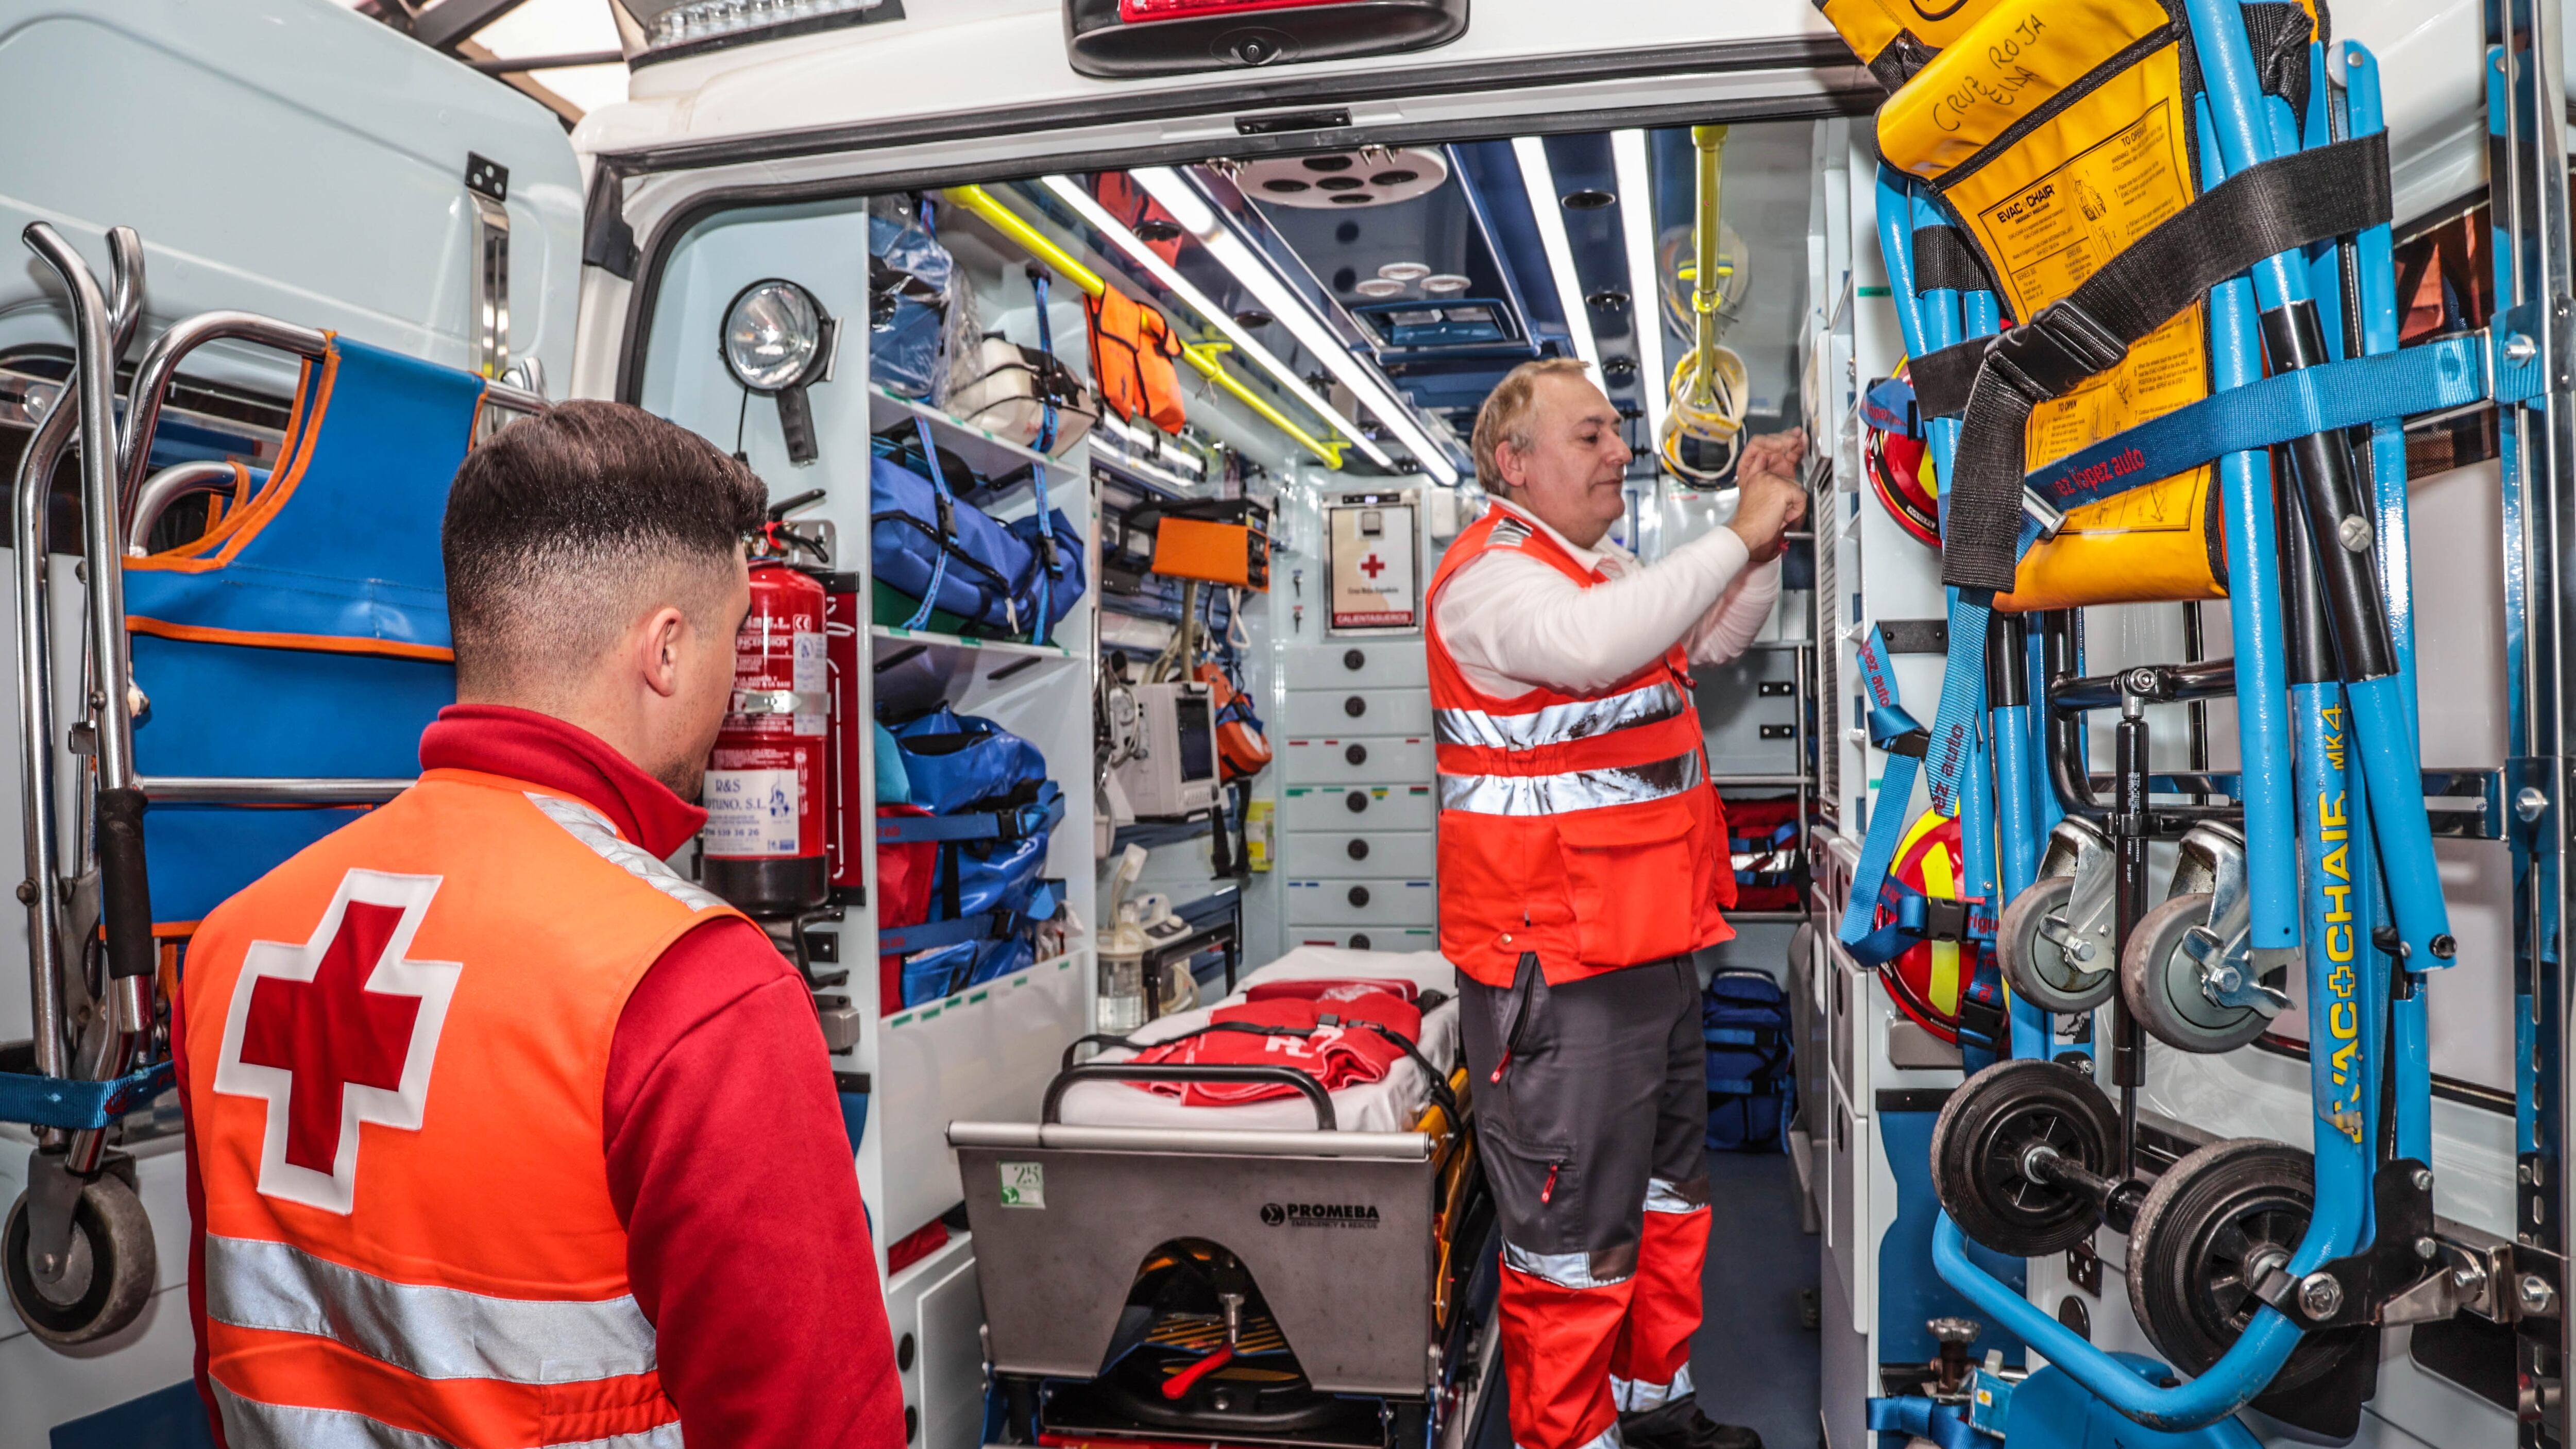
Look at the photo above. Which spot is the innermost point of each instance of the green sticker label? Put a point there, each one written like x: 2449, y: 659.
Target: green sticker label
x: 1024, y: 1184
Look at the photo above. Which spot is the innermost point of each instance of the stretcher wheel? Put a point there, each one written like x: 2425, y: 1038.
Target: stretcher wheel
x: 109, y: 1276
x: 2203, y: 1234
x: 2162, y: 984
x: 2039, y: 968
x: 1986, y: 1132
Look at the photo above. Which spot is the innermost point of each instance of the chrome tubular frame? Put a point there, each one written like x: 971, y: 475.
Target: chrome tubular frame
x: 166, y: 487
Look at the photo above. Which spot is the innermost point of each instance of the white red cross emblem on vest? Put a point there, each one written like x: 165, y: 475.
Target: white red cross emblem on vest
x: 334, y: 1031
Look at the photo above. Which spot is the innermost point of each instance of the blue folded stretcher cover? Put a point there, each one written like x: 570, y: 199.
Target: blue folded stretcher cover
x: 305, y: 635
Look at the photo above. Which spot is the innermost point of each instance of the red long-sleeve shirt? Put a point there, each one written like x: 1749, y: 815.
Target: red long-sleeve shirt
x: 747, y: 1246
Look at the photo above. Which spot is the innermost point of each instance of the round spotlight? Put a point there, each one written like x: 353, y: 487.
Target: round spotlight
x: 1253, y: 318
x: 1590, y: 198
x: 1341, y: 183
x: 1326, y: 163
x: 1442, y: 284
x: 1404, y: 271
x: 1379, y: 288
x: 1354, y: 198
x: 1618, y: 369
x: 773, y: 334
x: 1397, y: 177
x: 1158, y: 230
x: 1285, y: 186
x: 1608, y: 299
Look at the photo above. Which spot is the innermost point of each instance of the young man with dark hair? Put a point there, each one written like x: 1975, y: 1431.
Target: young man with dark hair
x: 501, y: 1132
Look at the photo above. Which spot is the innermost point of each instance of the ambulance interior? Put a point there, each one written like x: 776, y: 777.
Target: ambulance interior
x: 1115, y: 459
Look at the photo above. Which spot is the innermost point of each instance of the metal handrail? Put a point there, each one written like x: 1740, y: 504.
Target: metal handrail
x: 167, y: 487
x: 256, y: 790
x: 161, y: 366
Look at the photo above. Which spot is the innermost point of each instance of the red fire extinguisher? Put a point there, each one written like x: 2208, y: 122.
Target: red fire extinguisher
x: 765, y: 792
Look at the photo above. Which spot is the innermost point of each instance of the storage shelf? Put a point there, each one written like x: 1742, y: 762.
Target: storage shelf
x: 982, y: 451
x: 896, y: 635
x: 984, y: 991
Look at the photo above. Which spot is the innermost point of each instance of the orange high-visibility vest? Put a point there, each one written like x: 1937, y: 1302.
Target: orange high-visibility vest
x: 1582, y: 827
x: 397, y: 1047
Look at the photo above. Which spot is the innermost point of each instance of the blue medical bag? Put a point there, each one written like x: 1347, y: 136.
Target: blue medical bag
x: 993, y: 814
x: 1752, y: 1081
x: 928, y: 545
x: 909, y: 274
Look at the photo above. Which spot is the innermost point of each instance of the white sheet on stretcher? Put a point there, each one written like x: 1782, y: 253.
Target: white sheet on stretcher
x: 1387, y: 1105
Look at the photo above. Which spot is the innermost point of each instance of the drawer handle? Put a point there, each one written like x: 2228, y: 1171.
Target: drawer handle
x: 1357, y: 800
x: 1359, y: 941
x: 1355, y: 706
x: 1353, y: 659
x: 1357, y: 850
x: 1356, y: 754
x: 1359, y: 895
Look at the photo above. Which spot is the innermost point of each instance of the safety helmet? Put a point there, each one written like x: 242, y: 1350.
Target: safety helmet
x: 1892, y: 454
x: 1928, y: 978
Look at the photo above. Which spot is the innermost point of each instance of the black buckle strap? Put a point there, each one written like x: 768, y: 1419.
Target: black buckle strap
x: 2048, y: 355
x: 1944, y: 920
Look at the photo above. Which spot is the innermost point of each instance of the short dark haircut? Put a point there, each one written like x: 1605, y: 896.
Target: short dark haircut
x: 559, y: 524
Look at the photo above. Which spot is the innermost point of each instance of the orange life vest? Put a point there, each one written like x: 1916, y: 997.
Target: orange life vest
x: 1132, y: 351
x: 397, y: 1046
x: 1582, y: 827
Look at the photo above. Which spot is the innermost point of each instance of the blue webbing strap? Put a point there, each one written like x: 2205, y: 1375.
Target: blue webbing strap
x: 1908, y: 1418
x: 1945, y: 749
x: 939, y: 486
x: 2285, y: 406
x: 1045, y: 543
x: 79, y: 1106
x: 982, y: 926
x: 1017, y: 823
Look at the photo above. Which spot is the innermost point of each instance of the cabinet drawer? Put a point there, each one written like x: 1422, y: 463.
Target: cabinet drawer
x: 1357, y: 666
x: 1366, y: 760
x: 1317, y: 713
x: 1348, y: 902
x: 1406, y: 853
x: 1370, y: 808
x: 1367, y: 938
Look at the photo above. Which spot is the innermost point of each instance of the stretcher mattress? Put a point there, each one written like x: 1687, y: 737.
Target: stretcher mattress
x: 1388, y: 1105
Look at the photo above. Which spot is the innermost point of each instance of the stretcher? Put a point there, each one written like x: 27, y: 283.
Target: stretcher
x: 1313, y: 1270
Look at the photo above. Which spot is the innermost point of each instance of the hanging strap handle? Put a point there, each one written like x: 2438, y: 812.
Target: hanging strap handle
x: 947, y: 524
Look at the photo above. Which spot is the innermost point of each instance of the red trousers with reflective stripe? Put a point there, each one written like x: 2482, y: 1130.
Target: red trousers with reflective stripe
x: 1592, y: 1115
x: 1562, y: 1346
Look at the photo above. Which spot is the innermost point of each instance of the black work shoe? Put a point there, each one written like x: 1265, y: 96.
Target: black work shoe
x: 1681, y: 1425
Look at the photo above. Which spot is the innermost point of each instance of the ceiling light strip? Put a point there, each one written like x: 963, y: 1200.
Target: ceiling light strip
x: 1201, y: 220
x: 1645, y: 286
x: 1540, y: 182
x: 1097, y: 217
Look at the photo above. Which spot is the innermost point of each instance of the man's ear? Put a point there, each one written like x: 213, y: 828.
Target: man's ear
x: 658, y: 644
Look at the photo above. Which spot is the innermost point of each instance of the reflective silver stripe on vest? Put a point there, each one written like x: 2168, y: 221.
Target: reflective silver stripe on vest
x: 1559, y: 724
x: 1570, y: 790
x: 250, y: 1424
x: 436, y: 1333
x: 592, y: 829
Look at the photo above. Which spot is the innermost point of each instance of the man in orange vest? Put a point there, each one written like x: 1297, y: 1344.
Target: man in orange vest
x: 501, y: 1132
x: 1583, y: 857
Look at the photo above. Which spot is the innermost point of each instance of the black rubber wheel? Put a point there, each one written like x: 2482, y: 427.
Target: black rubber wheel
x: 2209, y: 1213
x: 110, y: 1276
x: 1987, y: 1127
x: 2040, y: 970
x: 2162, y: 984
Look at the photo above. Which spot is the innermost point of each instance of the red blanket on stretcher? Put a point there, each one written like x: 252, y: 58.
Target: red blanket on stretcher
x: 1316, y: 1028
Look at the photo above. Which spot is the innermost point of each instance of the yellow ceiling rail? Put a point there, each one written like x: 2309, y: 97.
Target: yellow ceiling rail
x: 1006, y: 221
x: 1201, y: 355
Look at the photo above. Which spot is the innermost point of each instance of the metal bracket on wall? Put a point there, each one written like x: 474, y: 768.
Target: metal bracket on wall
x: 487, y: 190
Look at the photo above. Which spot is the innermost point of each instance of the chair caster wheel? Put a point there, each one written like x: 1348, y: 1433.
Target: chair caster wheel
x: 2162, y: 984
x: 2039, y: 957
x: 1982, y: 1154
x: 2214, y: 1223
x: 106, y: 1277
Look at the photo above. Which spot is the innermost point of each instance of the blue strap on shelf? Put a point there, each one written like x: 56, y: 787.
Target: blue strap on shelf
x: 982, y: 926
x: 947, y: 529
x: 1014, y: 824
x: 1046, y: 444
x: 2285, y: 406
x: 79, y: 1106
x: 1943, y: 749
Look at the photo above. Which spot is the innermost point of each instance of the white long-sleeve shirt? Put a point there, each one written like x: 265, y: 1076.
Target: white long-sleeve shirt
x: 1513, y: 623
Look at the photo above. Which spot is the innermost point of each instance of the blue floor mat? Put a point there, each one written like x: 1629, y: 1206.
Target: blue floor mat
x: 1754, y: 1363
